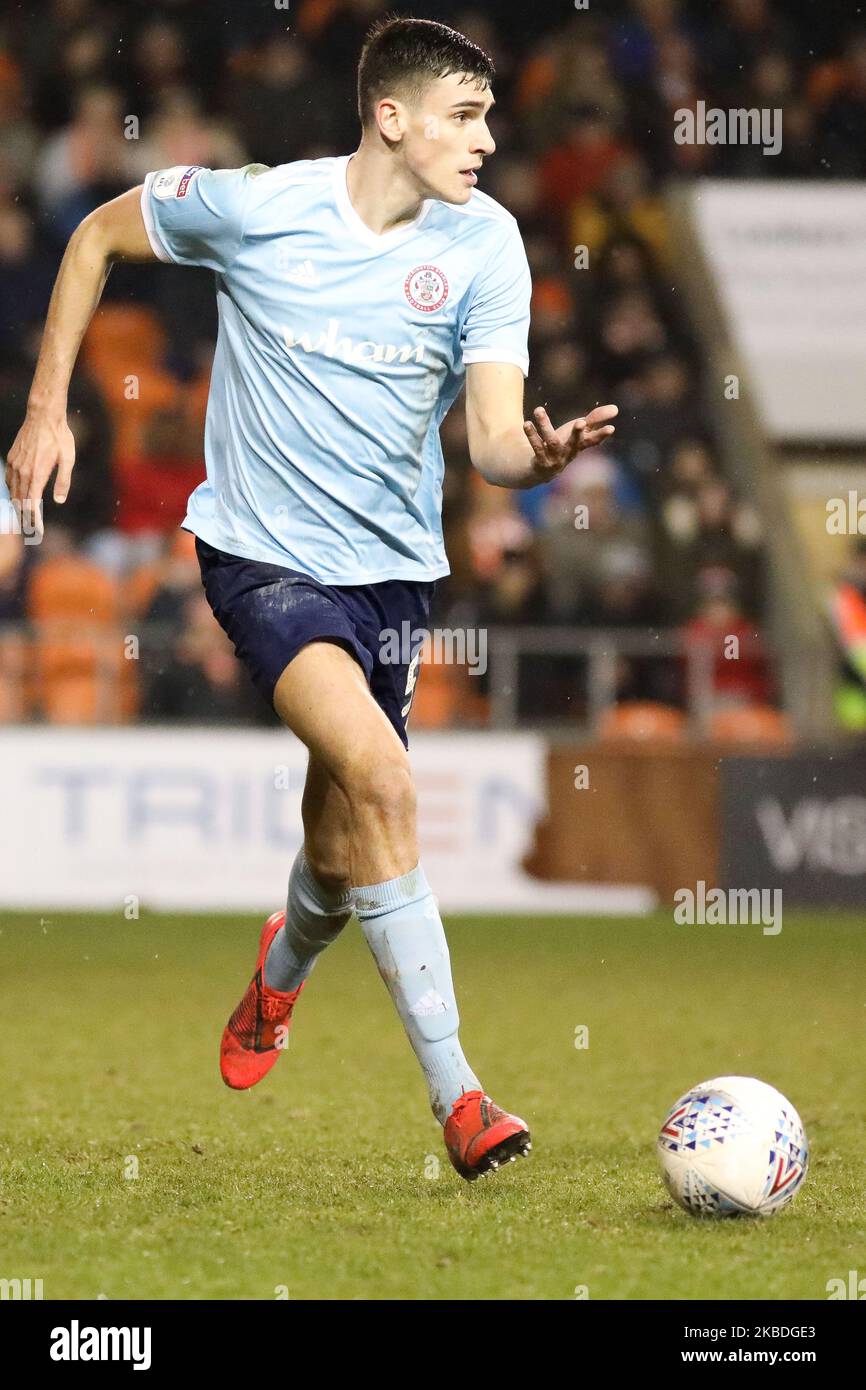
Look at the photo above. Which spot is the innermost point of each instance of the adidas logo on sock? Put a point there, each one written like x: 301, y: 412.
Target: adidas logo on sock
x: 431, y: 1002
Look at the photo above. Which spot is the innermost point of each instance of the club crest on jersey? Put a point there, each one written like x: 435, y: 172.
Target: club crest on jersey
x: 173, y: 183
x: 426, y: 288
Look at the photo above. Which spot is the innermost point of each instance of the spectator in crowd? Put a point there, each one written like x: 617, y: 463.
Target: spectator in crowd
x: 595, y: 555
x: 156, y: 484
x: 179, y: 132
x: 196, y: 677
x: 189, y: 669
x: 285, y: 106
x: 85, y: 164
x: 19, y: 138
x: 579, y: 164
x: 26, y: 277
x: 725, y: 661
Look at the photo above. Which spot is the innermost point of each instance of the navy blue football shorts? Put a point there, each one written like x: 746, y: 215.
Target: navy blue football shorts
x: 270, y: 613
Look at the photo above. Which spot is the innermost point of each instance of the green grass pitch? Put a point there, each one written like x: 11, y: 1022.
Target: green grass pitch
x: 330, y: 1180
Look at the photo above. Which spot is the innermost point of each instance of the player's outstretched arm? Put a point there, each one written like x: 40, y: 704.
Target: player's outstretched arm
x: 112, y: 232
x: 510, y: 451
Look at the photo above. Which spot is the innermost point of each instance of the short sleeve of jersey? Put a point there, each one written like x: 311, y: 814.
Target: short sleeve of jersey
x: 195, y: 216
x: 496, y: 328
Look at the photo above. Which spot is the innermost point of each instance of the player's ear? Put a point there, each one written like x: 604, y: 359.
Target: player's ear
x: 390, y: 118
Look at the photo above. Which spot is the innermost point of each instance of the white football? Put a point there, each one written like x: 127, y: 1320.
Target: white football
x: 733, y: 1146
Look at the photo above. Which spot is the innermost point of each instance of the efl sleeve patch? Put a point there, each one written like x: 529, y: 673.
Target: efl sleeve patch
x: 173, y: 183
x: 195, y: 215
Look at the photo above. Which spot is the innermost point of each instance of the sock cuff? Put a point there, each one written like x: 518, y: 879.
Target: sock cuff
x: 326, y: 898
x: 378, y: 898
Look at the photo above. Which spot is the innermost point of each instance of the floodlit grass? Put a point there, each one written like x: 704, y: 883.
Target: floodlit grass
x: 330, y: 1180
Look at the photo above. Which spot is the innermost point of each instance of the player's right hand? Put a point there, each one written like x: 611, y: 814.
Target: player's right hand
x: 43, y: 443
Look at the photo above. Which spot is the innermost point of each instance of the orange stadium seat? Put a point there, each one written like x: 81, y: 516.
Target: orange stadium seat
x: 15, y: 662
x: 81, y: 678
x: 643, y: 719
x: 123, y: 341
x: 752, y: 724
x: 78, y: 673
x: 70, y: 588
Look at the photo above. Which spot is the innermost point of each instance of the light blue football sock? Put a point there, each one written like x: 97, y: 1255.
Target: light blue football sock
x: 402, y: 927
x: 315, y: 916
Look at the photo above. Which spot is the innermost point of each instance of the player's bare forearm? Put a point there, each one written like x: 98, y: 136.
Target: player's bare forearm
x: 44, y: 441
x: 77, y: 291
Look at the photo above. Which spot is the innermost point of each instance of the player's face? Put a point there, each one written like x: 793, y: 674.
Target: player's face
x: 447, y: 138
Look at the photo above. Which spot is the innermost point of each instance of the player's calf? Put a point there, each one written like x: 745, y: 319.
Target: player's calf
x: 382, y: 809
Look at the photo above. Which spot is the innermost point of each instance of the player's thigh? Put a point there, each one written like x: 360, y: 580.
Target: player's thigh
x: 323, y: 697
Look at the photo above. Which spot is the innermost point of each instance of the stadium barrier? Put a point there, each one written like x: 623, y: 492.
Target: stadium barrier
x: 71, y: 672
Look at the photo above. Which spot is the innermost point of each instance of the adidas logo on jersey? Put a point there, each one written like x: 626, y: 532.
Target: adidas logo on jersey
x: 304, y: 273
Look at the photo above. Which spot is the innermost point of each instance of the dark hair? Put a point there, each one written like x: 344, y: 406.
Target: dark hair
x: 409, y: 54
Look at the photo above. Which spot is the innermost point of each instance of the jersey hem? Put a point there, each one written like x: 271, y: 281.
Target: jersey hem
x: 359, y: 577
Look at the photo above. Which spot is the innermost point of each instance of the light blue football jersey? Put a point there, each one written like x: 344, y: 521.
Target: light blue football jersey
x: 339, y: 353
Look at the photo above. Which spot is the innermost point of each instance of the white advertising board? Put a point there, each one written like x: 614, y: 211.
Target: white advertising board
x: 210, y: 820
x: 789, y: 261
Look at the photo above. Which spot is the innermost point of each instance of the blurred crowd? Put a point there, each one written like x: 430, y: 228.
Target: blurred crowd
x: 647, y: 533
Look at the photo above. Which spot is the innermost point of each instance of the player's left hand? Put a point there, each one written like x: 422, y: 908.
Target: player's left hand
x: 555, y: 449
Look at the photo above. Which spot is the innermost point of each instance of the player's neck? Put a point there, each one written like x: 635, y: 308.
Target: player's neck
x: 380, y: 192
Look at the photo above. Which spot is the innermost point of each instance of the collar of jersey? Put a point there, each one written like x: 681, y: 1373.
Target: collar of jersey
x: 381, y: 241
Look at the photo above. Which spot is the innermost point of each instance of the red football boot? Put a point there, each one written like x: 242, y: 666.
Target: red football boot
x: 250, y: 1042
x: 480, y: 1137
